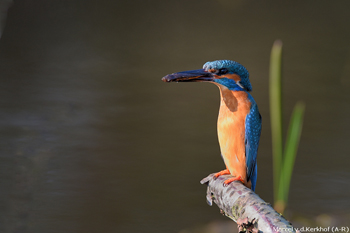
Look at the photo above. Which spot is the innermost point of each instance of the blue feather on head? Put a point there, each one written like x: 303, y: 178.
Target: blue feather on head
x: 233, y: 68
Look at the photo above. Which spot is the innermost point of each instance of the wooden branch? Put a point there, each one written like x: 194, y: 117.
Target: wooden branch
x: 242, y: 205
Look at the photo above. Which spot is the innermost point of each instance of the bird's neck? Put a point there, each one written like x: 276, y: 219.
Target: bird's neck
x: 230, y: 98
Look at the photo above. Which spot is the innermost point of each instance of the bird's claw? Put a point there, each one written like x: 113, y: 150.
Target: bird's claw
x: 229, y: 181
x: 220, y: 173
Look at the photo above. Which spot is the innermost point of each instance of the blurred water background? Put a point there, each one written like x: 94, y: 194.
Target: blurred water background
x: 93, y: 141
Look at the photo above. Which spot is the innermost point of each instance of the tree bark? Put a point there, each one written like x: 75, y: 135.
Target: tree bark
x: 246, y: 208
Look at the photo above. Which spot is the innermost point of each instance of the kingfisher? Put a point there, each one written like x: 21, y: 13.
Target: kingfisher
x: 239, y: 120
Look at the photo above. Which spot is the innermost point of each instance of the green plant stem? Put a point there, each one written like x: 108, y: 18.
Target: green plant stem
x: 291, y: 148
x: 276, y: 112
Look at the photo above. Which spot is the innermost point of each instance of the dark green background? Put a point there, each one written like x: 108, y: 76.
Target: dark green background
x: 93, y: 141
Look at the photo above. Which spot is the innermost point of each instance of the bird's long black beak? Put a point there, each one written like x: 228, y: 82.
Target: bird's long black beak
x: 189, y: 76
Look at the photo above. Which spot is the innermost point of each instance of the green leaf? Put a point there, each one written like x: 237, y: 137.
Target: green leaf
x: 276, y: 111
x: 291, y: 148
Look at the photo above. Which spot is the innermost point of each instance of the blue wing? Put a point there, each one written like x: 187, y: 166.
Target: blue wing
x: 252, y: 137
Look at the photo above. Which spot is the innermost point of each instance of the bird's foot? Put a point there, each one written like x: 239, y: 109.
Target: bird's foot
x: 229, y: 181
x: 220, y: 173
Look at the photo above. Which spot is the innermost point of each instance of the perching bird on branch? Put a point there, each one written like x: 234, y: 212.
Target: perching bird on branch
x: 239, y: 121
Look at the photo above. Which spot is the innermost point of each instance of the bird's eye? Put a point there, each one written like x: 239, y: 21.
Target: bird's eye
x: 223, y: 71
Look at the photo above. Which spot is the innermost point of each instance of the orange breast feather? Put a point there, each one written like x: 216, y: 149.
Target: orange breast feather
x: 234, y: 108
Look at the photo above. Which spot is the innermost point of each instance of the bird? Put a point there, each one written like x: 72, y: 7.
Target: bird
x: 239, y: 120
